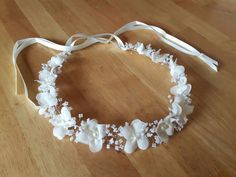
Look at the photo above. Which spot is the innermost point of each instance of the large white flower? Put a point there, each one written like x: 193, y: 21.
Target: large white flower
x: 91, y: 133
x: 135, y: 136
x: 62, y: 123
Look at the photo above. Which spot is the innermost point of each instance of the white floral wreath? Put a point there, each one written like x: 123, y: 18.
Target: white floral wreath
x: 123, y: 138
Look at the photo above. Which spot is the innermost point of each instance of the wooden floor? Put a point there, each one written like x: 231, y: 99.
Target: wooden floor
x: 115, y: 86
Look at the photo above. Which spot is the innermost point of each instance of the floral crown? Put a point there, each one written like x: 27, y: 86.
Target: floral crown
x: 127, y: 138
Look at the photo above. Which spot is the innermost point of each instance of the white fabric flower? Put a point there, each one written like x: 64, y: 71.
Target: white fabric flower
x: 55, y: 61
x: 176, y: 109
x: 47, y: 77
x: 185, y: 106
x: 180, y: 109
x: 182, y: 80
x: 169, y: 122
x: 164, y: 129
x: 48, y: 88
x: 60, y: 132
x: 176, y: 71
x: 62, y: 123
x: 45, y: 100
x: 135, y: 136
x: 91, y: 133
x: 181, y: 89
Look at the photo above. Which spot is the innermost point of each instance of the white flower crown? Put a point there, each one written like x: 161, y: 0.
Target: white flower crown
x: 123, y: 138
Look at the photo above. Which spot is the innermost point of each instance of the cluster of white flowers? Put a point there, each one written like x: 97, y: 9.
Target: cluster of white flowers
x: 49, y: 103
x: 129, y: 137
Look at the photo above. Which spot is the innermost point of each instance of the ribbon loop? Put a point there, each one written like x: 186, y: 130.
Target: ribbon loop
x: 105, y: 38
x: 170, y: 40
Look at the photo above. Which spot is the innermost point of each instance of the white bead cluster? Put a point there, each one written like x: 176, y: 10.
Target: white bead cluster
x: 128, y: 138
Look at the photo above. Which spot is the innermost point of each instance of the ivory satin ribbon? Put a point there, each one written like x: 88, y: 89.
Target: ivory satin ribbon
x: 105, y: 38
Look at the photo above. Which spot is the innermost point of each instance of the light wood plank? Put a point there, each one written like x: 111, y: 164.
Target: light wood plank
x: 116, y: 86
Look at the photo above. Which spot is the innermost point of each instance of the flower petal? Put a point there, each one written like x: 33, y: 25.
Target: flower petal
x: 95, y: 145
x: 81, y: 137
x: 59, y: 132
x: 46, y: 99
x: 181, y: 89
x: 181, y: 120
x: 170, y: 129
x: 188, y: 109
x: 176, y: 70
x: 187, y: 89
x: 101, y: 130
x: 127, y: 132
x: 53, y: 91
x: 161, y: 131
x: 182, y: 80
x: 176, y: 109
x: 174, y: 90
x: 179, y: 99
x: 130, y: 146
x: 42, y: 110
x: 139, y: 126
x: 55, y: 61
x: 163, y: 136
x: 143, y: 142
x: 140, y: 48
x: 179, y: 70
x: 46, y: 76
x: 92, y: 124
x: 65, y: 113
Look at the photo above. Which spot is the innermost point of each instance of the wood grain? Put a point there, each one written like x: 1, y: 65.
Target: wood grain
x: 115, y: 86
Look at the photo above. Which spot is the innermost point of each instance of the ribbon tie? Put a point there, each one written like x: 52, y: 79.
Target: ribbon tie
x: 105, y: 38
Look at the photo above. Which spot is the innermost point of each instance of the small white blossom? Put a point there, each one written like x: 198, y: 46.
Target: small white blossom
x: 164, y: 129
x: 176, y: 71
x: 55, y: 61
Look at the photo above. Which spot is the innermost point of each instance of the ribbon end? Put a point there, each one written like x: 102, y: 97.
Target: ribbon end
x: 209, y: 61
